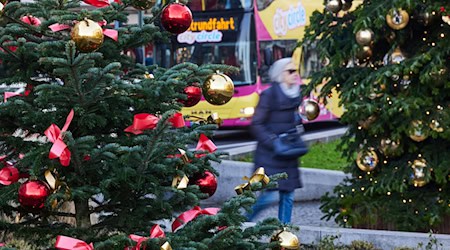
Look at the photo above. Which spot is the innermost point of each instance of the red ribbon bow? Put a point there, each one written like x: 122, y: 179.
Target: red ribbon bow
x: 177, y: 120
x: 155, y: 232
x: 9, y: 175
x: 205, y: 144
x: 100, y: 3
x: 192, y: 214
x: 59, y: 148
x: 68, y: 243
x: 141, y: 122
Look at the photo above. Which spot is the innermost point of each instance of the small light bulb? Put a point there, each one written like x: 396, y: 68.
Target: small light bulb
x: 388, y: 193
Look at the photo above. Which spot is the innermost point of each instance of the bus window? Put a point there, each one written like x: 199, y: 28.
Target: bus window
x: 310, y: 61
x: 270, y: 51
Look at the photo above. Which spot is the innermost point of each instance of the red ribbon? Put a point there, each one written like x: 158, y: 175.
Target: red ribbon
x: 97, y: 3
x: 111, y: 33
x: 142, y: 122
x: 155, y: 232
x: 9, y: 175
x: 205, y: 144
x: 68, y: 243
x: 59, y: 148
x: 177, y: 120
x: 192, y: 214
x: 58, y: 27
x: 28, y: 90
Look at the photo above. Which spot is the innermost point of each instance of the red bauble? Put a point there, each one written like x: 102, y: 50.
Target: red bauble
x: 32, y: 194
x: 176, y: 18
x: 194, y: 94
x: 207, y: 182
x: 31, y: 20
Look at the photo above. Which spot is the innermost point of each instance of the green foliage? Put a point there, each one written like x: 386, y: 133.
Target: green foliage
x: 381, y: 100
x: 122, y: 180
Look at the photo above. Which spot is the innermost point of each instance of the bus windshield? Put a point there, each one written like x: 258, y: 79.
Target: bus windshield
x: 216, y: 39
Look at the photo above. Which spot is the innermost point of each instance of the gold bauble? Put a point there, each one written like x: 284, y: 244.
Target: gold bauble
x: 417, y: 131
x: 397, y: 56
x: 346, y: 5
x: 333, y: 5
x: 364, y: 53
x: 419, y: 167
x: 365, y: 124
x: 397, y: 19
x: 143, y: 4
x: 390, y: 147
x: 365, y: 37
x: 367, y: 160
x: 87, y: 35
x: 309, y: 110
x: 218, y: 89
x: 287, y: 240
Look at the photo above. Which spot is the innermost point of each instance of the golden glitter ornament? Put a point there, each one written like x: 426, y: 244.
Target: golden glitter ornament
x: 218, y: 89
x: 419, y: 167
x: 367, y: 160
x: 287, y: 240
x: 87, y: 35
x: 397, y: 19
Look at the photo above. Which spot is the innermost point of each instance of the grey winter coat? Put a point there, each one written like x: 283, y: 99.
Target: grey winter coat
x: 275, y: 113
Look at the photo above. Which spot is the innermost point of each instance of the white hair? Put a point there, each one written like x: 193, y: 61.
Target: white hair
x: 277, y: 68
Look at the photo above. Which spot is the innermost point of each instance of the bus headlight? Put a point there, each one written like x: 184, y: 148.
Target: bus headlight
x: 248, y: 111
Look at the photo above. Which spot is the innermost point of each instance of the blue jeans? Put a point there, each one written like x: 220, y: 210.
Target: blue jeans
x: 285, y: 199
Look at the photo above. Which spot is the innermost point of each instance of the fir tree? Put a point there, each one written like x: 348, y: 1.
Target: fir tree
x: 123, y: 179
x: 389, y: 61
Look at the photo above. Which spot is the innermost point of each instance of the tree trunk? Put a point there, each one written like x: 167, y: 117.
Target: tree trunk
x: 82, y: 213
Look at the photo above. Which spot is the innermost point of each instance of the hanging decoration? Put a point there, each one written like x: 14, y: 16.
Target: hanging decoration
x: 194, y: 95
x: 367, y: 160
x: 178, y: 181
x: 258, y: 176
x: 9, y: 175
x: 218, y: 89
x: 205, y: 144
x: 87, y: 35
x: 177, y: 120
x: 206, y: 181
x: 397, y: 19
x: 364, y: 53
x: 141, y: 122
x: 176, y: 18
x: 192, y: 214
x: 286, y: 239
x: 309, y: 110
x: 59, y: 148
x: 333, y: 6
x: 365, y: 37
x: 418, y: 177
x: 33, y: 193
x: 143, y: 4
x: 155, y: 232
x: 31, y: 20
x: 417, y: 131
x: 68, y: 243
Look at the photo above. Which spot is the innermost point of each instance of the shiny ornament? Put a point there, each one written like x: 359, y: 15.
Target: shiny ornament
x: 364, y: 53
x: 218, y: 89
x: 176, y: 18
x: 207, y: 182
x: 31, y: 20
x: 397, y: 19
x: 419, y: 168
x: 286, y: 239
x: 33, y: 193
x: 309, y: 110
x: 397, y: 56
x: 367, y: 160
x: 436, y: 126
x: 346, y: 5
x: 390, y: 147
x: 194, y: 94
x: 214, y: 119
x: 365, y: 37
x: 143, y: 4
x: 417, y: 131
x: 87, y: 35
x: 333, y: 5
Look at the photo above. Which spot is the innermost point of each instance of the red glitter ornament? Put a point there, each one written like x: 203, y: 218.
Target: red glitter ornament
x: 176, y: 18
x: 194, y: 94
x: 207, y: 182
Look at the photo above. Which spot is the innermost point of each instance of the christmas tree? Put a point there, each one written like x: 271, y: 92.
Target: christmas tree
x: 389, y: 62
x: 95, y: 152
